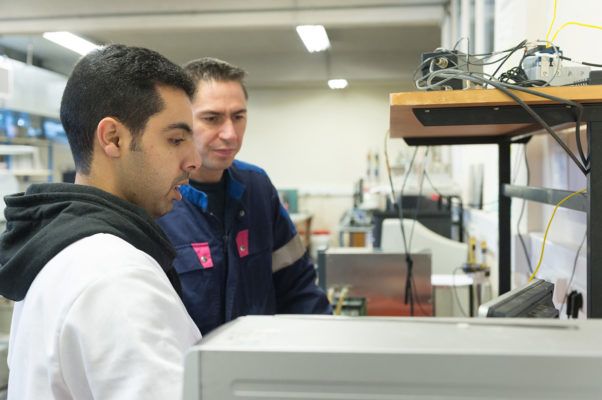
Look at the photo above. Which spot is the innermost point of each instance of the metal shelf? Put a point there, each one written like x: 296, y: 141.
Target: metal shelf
x: 547, y: 196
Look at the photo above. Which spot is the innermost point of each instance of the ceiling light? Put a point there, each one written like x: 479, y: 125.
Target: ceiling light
x: 314, y: 37
x: 71, y: 41
x: 337, y: 83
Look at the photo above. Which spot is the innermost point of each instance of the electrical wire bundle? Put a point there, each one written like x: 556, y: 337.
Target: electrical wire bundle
x: 464, y: 62
x: 442, y: 76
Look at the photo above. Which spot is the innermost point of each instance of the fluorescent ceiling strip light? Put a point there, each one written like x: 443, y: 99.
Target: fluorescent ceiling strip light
x: 337, y: 83
x: 314, y: 37
x: 71, y: 42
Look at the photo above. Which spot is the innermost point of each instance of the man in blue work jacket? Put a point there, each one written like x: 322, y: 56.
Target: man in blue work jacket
x: 238, y: 253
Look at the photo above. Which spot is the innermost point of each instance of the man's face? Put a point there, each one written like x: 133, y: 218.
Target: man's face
x: 149, y: 175
x: 220, y: 119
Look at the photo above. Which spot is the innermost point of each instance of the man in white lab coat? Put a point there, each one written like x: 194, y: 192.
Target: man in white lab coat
x: 98, y: 315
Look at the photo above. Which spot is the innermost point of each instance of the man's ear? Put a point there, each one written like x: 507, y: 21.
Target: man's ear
x: 110, y: 135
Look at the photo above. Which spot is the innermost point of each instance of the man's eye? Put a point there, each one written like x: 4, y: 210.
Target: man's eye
x: 210, y: 120
x: 176, y: 141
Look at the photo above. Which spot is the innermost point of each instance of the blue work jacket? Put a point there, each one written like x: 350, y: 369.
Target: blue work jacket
x: 256, y: 265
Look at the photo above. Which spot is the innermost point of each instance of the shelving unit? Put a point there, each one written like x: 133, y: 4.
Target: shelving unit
x: 23, y: 158
x: 490, y: 117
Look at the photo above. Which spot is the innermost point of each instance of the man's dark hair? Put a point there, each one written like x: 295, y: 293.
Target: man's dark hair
x: 211, y: 69
x: 120, y: 82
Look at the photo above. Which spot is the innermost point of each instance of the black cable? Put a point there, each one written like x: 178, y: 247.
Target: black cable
x: 518, y: 76
x: 398, y: 204
x: 418, y: 199
x: 485, y: 56
x: 405, y: 179
x: 408, y: 258
x: 409, y: 290
x: 495, y: 52
x: 516, y: 167
x: 582, y: 62
x: 502, y: 86
x: 428, y: 178
x: 410, y: 282
x: 416, y: 299
x: 505, y: 88
x: 584, y: 159
x: 410, y: 285
x: 477, y: 63
x: 491, y: 203
x: 526, y: 107
x: 468, y: 62
x: 409, y: 261
x: 579, y: 115
x: 582, y: 82
x: 522, y: 211
x: 399, y: 201
x: 518, y: 46
x: 393, y: 197
x: 450, y: 199
x: 460, y: 41
x: 588, y: 133
x: 568, y: 286
x: 455, y: 292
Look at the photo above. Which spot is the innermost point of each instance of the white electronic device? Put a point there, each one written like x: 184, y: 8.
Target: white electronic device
x: 549, y: 68
x: 372, y: 358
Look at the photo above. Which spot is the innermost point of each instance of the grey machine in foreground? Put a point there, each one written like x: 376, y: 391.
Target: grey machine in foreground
x: 374, y: 358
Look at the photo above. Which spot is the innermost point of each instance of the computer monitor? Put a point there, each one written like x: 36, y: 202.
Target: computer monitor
x: 534, y: 300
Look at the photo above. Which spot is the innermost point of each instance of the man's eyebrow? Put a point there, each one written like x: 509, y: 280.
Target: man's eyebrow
x: 215, y: 112
x: 178, y: 125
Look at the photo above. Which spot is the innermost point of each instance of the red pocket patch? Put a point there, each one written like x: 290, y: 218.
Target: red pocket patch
x: 242, y: 243
x: 203, y: 252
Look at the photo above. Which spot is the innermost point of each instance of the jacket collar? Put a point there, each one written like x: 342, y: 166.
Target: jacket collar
x: 234, y: 188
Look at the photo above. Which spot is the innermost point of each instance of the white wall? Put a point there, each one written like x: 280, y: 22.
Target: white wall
x: 316, y: 140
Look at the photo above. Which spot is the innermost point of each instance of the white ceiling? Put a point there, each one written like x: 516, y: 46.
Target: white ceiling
x: 373, y: 42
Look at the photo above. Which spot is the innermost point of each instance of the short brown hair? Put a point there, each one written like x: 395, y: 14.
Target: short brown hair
x: 213, y: 69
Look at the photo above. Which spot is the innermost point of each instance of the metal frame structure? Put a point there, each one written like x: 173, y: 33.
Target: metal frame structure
x: 553, y: 114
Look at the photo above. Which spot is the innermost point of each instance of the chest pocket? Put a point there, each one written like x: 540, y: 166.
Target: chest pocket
x: 201, y: 282
x: 195, y: 264
x: 195, y: 257
x: 253, y: 254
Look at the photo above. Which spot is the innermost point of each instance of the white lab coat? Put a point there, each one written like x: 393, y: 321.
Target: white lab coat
x: 100, y: 321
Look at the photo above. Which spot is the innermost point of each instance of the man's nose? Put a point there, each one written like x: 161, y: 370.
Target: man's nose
x: 193, y: 158
x: 228, y: 132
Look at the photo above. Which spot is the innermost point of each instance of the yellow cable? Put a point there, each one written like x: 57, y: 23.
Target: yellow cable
x: 549, y: 42
x: 330, y: 294
x: 551, y: 25
x: 342, y: 294
x: 545, y: 235
x: 574, y: 23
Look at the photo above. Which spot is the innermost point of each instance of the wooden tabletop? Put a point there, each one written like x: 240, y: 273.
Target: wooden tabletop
x: 404, y: 124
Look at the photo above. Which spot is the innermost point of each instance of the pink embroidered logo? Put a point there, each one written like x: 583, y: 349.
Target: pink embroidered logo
x: 203, y: 252
x: 242, y: 243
